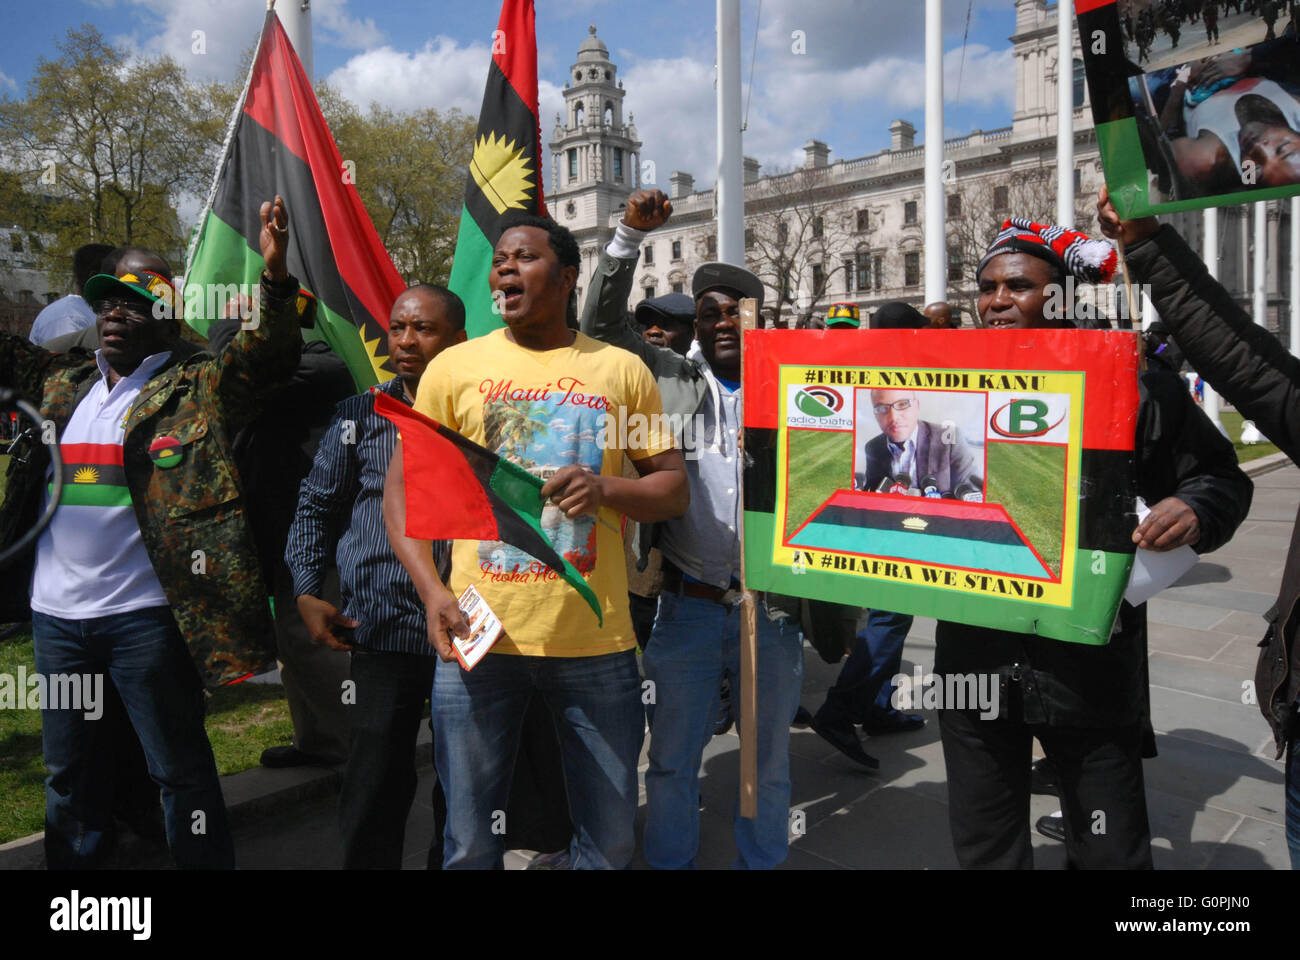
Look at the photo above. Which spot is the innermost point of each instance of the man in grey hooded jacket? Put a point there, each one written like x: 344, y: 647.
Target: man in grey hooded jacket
x: 696, y: 635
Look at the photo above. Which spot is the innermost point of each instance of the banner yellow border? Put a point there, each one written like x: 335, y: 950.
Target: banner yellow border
x: 965, y: 582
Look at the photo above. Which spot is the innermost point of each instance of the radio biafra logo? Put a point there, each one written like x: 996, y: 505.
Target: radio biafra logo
x: 819, y: 402
x: 1023, y: 419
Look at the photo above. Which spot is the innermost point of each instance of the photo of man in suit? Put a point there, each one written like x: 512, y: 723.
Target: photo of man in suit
x: 915, y: 447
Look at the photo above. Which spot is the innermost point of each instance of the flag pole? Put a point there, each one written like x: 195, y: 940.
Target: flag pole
x: 1133, y: 311
x: 936, y: 246
x: 1210, y: 253
x: 748, y: 621
x: 296, y: 19
x: 1065, y: 117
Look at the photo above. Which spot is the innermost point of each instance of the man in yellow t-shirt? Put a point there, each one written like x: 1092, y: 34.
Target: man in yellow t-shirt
x: 569, y: 409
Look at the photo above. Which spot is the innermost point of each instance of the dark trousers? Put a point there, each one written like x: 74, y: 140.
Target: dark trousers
x: 866, y: 681
x: 643, y: 611
x: 379, y: 781
x: 135, y: 795
x: 1103, y: 799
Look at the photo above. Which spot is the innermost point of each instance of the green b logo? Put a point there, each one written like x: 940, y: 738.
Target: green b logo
x: 1028, y: 417
x: 1022, y: 419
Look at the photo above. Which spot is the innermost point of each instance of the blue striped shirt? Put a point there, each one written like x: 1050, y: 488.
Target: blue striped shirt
x: 340, y: 520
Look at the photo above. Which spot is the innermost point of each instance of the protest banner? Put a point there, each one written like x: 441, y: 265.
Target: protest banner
x: 984, y: 478
x: 1209, y: 122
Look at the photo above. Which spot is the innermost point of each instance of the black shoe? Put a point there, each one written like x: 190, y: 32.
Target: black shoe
x: 1052, y: 827
x: 290, y: 756
x: 802, y: 718
x: 845, y: 740
x: 892, y: 721
x: 147, y: 823
x: 1043, y: 778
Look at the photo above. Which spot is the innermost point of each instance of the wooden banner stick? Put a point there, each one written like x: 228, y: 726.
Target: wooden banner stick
x: 1134, y: 316
x: 748, y: 619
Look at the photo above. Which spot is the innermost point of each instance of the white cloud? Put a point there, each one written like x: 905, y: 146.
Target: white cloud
x: 673, y: 105
x: 861, y: 70
x: 839, y: 34
x: 222, y: 34
x: 226, y: 30
x: 8, y: 83
x: 441, y: 74
x: 342, y: 30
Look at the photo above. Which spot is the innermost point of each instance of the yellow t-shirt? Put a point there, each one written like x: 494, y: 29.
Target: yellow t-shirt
x: 546, y: 409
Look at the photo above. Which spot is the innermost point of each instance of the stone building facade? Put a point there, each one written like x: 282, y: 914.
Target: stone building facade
x: 24, y: 287
x: 854, y: 228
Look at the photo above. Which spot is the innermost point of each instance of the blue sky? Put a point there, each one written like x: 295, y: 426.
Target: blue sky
x: 861, y: 68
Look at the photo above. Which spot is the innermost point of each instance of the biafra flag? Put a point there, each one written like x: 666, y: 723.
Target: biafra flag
x: 278, y: 142
x: 457, y: 490
x: 505, y: 173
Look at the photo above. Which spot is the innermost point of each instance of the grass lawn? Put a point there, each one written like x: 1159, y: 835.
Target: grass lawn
x: 823, y: 462
x: 1026, y: 479
x: 1232, y: 421
x: 243, y: 720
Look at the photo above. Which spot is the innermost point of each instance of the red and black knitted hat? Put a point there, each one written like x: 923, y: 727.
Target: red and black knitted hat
x: 1092, y: 261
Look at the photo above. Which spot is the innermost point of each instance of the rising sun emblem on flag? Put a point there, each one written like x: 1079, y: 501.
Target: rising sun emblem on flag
x: 86, y: 475
x: 501, y: 171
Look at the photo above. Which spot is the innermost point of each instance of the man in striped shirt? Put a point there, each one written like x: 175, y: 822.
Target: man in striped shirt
x: 340, y: 521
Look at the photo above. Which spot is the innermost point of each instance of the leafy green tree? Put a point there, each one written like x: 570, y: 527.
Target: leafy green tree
x: 110, y: 142
x: 410, y: 170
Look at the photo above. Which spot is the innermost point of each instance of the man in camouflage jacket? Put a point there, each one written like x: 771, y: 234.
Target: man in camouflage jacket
x: 185, y: 496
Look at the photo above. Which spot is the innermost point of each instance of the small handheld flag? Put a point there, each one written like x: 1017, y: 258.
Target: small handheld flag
x: 457, y: 490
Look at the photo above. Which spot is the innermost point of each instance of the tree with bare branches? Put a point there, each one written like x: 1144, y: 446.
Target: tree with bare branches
x: 984, y: 204
x: 795, y: 231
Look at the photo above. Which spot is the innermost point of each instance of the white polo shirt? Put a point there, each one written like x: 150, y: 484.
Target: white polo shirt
x: 91, y: 560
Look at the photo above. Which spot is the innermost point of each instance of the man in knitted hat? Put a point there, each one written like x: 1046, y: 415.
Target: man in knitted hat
x: 1086, y: 705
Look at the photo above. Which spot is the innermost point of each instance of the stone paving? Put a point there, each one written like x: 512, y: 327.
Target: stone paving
x: 1215, y: 793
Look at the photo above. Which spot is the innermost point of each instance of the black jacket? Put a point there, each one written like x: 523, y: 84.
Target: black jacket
x: 1249, y: 367
x: 274, y: 453
x: 1178, y: 453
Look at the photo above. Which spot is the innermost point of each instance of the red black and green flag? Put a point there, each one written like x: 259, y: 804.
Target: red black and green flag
x: 457, y: 490
x: 278, y: 142
x: 93, y: 476
x: 505, y: 173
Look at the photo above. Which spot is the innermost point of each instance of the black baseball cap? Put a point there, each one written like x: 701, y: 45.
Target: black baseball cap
x: 897, y: 315
x: 727, y: 276
x: 671, y: 307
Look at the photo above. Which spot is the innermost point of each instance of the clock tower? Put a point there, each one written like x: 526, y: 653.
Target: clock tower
x: 595, y: 155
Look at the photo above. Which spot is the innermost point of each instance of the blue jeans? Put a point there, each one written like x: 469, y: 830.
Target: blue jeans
x: 696, y: 641
x: 1293, y: 794
x: 865, y: 684
x: 477, y: 716
x: 143, y: 655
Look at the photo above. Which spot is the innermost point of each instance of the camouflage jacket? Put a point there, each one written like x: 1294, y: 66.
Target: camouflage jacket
x: 191, y: 516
